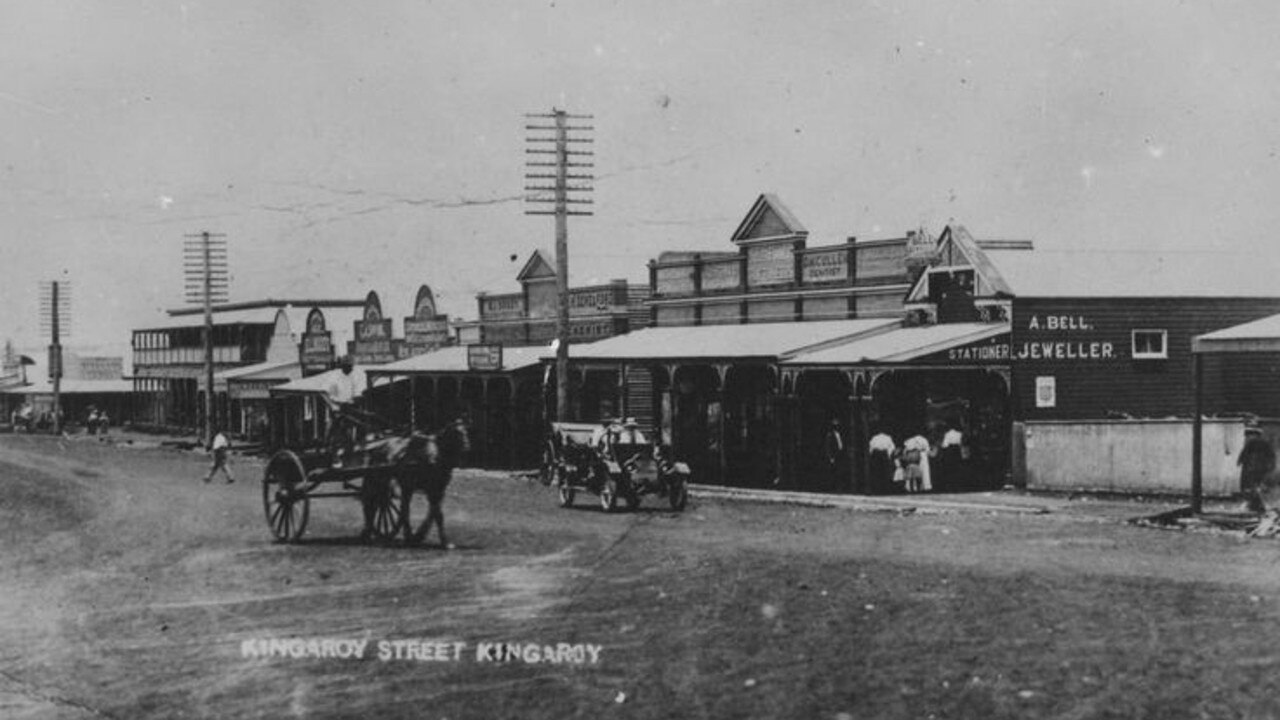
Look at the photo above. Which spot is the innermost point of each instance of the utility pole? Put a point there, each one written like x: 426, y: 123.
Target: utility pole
x: 563, y: 179
x: 55, y: 313
x: 205, y: 269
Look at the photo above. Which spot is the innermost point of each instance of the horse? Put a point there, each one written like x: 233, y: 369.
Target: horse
x: 427, y: 462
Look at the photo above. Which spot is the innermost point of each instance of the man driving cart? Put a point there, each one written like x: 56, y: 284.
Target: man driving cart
x: 340, y: 396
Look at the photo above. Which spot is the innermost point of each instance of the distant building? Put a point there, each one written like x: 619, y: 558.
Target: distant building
x: 528, y: 317
x: 169, y: 356
x: 88, y: 382
x: 296, y: 412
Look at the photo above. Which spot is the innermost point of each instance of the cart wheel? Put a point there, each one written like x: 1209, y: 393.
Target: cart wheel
x: 547, y: 471
x: 678, y: 493
x: 566, y: 494
x: 389, y: 500
x: 609, y: 495
x: 284, y: 497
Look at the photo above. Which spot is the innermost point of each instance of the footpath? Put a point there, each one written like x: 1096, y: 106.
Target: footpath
x: 1085, y: 506
x: 1076, y: 506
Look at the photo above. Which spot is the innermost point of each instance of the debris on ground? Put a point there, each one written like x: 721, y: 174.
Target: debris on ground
x: 1268, y: 526
x: 1245, y: 523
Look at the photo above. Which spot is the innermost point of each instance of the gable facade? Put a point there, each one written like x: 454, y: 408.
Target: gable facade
x: 773, y: 275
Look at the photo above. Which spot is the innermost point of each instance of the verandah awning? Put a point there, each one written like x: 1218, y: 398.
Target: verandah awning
x: 1257, y: 336
x: 764, y: 341
x: 913, y: 343
x: 73, y: 387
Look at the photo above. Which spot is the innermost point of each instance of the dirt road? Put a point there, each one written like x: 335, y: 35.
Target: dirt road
x: 133, y: 590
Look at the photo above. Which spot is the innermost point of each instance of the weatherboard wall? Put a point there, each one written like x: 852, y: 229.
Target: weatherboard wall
x: 1073, y: 358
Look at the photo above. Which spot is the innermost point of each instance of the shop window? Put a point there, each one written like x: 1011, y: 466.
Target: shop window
x: 1150, y: 345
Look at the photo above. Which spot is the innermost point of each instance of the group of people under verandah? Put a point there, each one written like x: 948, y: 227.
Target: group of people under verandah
x: 26, y: 419
x: 97, y: 421
x: 918, y: 465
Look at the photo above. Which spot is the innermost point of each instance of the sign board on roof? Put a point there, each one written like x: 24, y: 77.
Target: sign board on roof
x: 424, y: 331
x: 484, y: 357
x: 315, y: 352
x: 722, y: 275
x: 373, y: 344
x: 580, y: 330
x: 825, y: 266
x: 497, y: 307
x: 593, y: 301
x: 921, y: 246
x: 772, y: 264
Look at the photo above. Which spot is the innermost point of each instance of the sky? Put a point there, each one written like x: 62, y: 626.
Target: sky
x: 345, y: 147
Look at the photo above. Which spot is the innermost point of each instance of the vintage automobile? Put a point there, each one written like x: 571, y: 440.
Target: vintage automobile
x: 610, y: 469
x: 647, y: 469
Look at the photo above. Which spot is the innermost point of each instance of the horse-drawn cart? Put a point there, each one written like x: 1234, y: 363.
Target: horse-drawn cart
x: 382, y: 470
x: 580, y: 458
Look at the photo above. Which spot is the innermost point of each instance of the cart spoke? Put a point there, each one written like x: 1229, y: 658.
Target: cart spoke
x: 282, y: 527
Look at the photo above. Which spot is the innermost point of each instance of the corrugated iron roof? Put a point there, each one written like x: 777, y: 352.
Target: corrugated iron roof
x: 1121, y: 273
x: 1257, y: 336
x: 260, y: 371
x: 251, y: 316
x: 903, y: 344
x: 763, y: 340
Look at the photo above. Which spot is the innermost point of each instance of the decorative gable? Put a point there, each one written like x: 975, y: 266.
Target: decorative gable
x: 769, y: 219
x: 538, y: 267
x: 957, y: 251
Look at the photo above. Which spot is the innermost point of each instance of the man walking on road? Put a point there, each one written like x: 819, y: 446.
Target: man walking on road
x: 1257, y: 460
x: 219, y: 450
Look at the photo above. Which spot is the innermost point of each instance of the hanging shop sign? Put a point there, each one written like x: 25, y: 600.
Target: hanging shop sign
x: 373, y: 344
x: 484, y: 357
x: 425, y: 330
x: 251, y: 389
x: 315, y: 352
